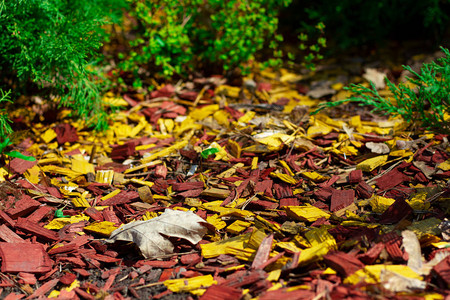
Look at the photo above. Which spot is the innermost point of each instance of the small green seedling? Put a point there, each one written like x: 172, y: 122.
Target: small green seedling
x: 13, y: 153
x: 207, y: 152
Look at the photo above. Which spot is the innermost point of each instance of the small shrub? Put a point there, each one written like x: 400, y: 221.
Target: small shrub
x: 428, y: 103
x: 50, y: 43
x: 176, y: 37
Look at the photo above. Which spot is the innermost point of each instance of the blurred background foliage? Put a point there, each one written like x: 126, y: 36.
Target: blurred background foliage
x: 70, y: 52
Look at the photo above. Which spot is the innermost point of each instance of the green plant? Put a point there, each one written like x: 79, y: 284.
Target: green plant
x: 50, y: 43
x: 177, y: 37
x: 6, y: 131
x: 428, y: 103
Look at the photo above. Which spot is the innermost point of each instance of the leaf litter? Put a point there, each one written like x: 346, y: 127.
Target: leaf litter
x: 214, y: 197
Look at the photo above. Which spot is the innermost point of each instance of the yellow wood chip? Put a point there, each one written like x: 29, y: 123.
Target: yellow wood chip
x: 445, y: 166
x: 315, y: 253
x: 249, y: 115
x: 314, y: 176
x: 59, y: 223
x: 371, y: 274
x: 255, y: 163
x: 189, y: 284
x: 284, y: 177
x: 306, y: 212
x: 104, y: 228
x: 290, y: 246
x: 110, y: 195
x: 165, y: 152
x: 238, y: 226
x: 379, y: 204
x: 80, y: 202
x: 274, y: 275
x: 104, y: 176
x: 223, y: 247
x: 48, y: 135
x: 372, y: 163
x: 142, y: 182
x: 286, y: 166
x: 216, y: 222
x: 60, y: 170
x: 81, y: 165
x: 32, y: 174
x: 221, y: 116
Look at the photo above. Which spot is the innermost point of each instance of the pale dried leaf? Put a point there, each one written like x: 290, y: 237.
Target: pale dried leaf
x: 376, y: 77
x: 379, y: 148
x: 412, y: 247
x: 152, y: 236
x: 395, y: 282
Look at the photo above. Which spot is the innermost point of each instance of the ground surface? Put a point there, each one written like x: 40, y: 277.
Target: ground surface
x: 341, y: 205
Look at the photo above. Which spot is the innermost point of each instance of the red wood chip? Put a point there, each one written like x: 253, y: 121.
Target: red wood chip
x: 190, y: 193
x: 241, y: 278
x: 157, y: 263
x: 94, y: 214
x: 9, y: 236
x: 263, y: 252
x: 372, y: 254
x: 393, y: 242
x: 185, y: 186
x: 364, y: 190
x: 341, y: 199
x: 7, y: 219
x: 285, y: 294
x: 67, y: 278
x: 398, y: 211
x: 40, y: 213
x: 289, y: 202
x: 83, y: 294
x: 355, y: 176
x: 324, y: 193
x: 22, y: 207
x: 121, y: 198
x: 166, y: 91
x: 82, y: 272
x: 161, y: 171
x: 345, y: 264
x: 24, y: 257
x: 66, y: 133
x: 220, y: 292
x: 442, y: 271
x: 27, y: 278
x: 37, y: 230
x: 63, y: 249
x: 391, y: 179
x: 190, y: 259
x: 43, y: 289
x: 19, y: 165
x: 123, y: 151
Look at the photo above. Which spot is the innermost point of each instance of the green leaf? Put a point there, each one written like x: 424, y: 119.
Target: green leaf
x: 207, y: 152
x: 17, y: 154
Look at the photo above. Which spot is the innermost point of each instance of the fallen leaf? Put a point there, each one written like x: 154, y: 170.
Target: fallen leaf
x: 376, y: 77
x: 151, y: 236
x: 380, y: 148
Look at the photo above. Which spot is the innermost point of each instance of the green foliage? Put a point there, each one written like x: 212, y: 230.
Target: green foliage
x: 175, y: 37
x: 428, y: 103
x: 5, y: 130
x: 50, y: 42
x: 5, y: 127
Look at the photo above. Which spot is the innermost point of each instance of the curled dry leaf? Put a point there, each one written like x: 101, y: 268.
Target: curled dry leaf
x: 380, y: 148
x: 151, y: 236
x: 376, y: 77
